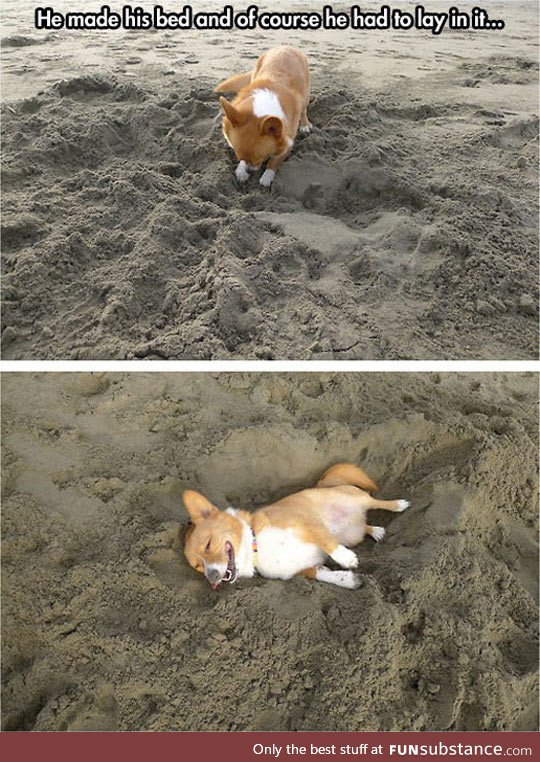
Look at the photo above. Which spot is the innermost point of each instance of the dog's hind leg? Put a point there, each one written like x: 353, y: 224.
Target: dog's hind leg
x: 305, y: 124
x: 376, y: 532
x: 320, y: 536
x: 396, y: 506
x: 340, y: 578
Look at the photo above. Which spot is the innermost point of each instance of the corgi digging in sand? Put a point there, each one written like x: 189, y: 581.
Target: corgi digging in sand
x: 290, y: 537
x: 269, y: 109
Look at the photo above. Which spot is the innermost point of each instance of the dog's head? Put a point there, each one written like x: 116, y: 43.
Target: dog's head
x: 253, y: 139
x: 212, y: 540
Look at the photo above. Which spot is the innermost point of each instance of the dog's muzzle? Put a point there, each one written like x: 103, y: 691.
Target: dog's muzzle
x: 213, y: 576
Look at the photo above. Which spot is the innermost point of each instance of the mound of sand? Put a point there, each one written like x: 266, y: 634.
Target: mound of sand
x: 105, y: 627
x: 404, y: 226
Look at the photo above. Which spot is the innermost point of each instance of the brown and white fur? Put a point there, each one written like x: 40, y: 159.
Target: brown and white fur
x: 290, y: 537
x: 269, y: 109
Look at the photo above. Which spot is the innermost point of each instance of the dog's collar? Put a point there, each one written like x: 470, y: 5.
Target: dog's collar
x: 254, y: 547
x: 253, y: 542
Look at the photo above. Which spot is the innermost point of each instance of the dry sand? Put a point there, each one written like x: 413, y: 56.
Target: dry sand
x: 405, y: 226
x: 105, y: 627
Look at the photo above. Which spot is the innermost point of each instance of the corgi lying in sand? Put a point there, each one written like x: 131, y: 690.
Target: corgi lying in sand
x: 292, y: 536
x: 270, y: 107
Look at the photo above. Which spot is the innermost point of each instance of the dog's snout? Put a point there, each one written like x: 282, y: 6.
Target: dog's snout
x: 213, y: 576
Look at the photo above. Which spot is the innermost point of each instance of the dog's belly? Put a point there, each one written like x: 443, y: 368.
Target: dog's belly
x: 346, y: 521
x: 281, y: 553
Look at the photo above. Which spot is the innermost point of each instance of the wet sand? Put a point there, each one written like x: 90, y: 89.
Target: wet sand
x: 105, y: 627
x: 404, y: 226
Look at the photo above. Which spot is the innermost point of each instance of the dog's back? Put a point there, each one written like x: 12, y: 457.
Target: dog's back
x: 285, y: 65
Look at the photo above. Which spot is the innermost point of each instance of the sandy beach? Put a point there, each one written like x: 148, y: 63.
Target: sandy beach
x: 404, y: 226
x: 105, y: 627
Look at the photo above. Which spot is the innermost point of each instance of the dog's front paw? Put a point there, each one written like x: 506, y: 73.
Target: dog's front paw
x: 378, y: 533
x: 242, y: 175
x: 346, y: 579
x: 350, y: 580
x: 340, y: 578
x: 344, y: 557
x: 402, y: 505
x: 305, y: 129
x: 267, y: 178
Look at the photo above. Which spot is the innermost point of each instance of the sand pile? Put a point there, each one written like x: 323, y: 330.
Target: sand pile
x: 105, y: 627
x: 405, y: 226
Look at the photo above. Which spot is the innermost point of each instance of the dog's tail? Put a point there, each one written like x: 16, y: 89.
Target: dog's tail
x: 234, y: 84
x: 347, y: 473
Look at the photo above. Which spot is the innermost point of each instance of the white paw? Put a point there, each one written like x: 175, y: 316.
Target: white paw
x: 241, y: 172
x: 344, y: 557
x: 378, y: 533
x: 402, y: 505
x: 340, y: 578
x: 305, y: 129
x: 348, y: 579
x: 267, y: 178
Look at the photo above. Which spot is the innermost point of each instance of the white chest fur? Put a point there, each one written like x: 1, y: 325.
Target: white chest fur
x: 281, y: 553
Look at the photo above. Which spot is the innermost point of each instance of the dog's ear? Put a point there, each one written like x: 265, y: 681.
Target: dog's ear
x: 272, y: 125
x: 230, y: 112
x: 198, y: 506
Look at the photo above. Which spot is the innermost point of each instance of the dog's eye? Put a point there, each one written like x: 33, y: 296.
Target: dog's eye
x: 207, y: 545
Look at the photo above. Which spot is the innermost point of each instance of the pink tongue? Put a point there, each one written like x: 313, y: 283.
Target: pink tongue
x: 214, y: 586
